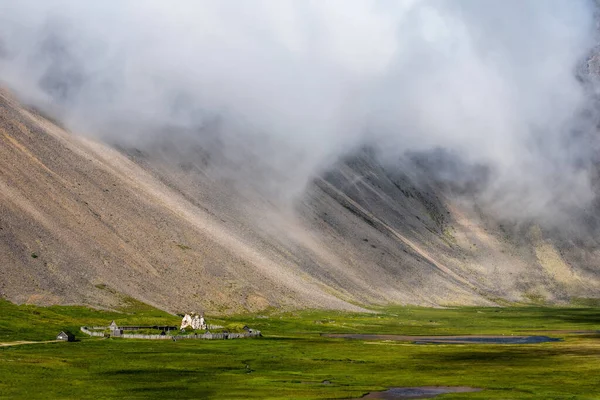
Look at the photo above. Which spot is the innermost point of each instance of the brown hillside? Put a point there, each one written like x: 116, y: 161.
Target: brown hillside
x: 82, y: 222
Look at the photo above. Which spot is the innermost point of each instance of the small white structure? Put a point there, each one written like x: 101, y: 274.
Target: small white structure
x: 186, y: 321
x: 115, y: 331
x: 194, y: 321
x: 66, y: 336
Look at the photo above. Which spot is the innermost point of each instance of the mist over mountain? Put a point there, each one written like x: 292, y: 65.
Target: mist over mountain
x: 290, y: 87
x: 285, y: 153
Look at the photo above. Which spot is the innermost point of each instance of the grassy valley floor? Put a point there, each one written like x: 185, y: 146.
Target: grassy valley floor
x: 294, y: 361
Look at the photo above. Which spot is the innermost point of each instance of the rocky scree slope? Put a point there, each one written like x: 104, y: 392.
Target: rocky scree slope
x: 83, y: 222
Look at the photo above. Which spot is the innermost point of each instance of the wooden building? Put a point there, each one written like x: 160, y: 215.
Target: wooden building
x: 66, y: 336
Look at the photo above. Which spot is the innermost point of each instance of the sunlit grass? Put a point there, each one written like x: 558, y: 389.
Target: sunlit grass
x: 292, y: 360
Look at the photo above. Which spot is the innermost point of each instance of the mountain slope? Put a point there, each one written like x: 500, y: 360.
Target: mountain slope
x: 83, y: 222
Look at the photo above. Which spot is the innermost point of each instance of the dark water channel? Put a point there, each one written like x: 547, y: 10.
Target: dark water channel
x: 492, y: 340
x: 424, y: 392
x: 480, y: 339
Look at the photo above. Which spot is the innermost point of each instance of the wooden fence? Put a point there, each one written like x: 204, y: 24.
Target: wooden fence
x: 92, y: 333
x: 204, y: 336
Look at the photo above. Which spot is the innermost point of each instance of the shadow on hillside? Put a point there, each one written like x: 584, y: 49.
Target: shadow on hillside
x: 168, y: 391
x: 585, y: 318
x: 522, y: 355
x: 161, y: 372
x: 519, y: 355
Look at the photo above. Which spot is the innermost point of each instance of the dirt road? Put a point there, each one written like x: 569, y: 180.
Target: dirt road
x: 21, y: 342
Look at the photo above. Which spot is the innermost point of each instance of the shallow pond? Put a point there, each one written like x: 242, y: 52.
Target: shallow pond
x: 423, y: 392
x: 481, y: 339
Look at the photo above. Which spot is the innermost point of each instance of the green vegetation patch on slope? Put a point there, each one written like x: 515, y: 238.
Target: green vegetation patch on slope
x: 28, y: 322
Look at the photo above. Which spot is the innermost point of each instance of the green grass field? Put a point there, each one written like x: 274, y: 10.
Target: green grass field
x: 292, y: 360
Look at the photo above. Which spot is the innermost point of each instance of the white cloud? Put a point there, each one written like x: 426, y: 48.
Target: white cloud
x: 490, y: 81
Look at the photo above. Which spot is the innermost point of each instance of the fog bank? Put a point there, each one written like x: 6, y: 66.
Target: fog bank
x: 295, y: 85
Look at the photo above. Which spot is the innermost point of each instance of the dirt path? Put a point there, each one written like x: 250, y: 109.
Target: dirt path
x: 21, y: 342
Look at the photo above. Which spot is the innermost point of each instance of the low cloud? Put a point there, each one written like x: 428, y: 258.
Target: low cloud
x: 502, y: 86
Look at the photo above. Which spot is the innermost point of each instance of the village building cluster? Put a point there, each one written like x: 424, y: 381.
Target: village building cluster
x: 194, y: 321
